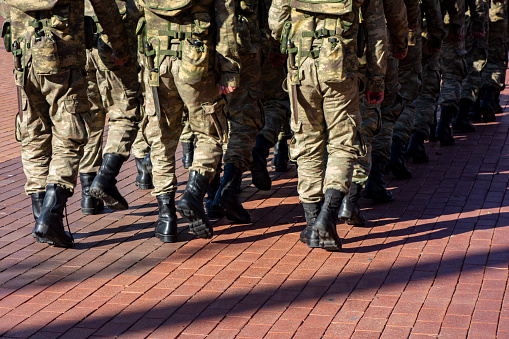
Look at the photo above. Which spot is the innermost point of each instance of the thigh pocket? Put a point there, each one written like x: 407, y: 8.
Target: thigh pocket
x: 216, y: 123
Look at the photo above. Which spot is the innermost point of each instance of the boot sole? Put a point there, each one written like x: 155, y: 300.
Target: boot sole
x: 197, y: 224
x: 44, y: 234
x: 109, y: 201
x: 232, y: 217
x: 329, y: 242
x: 166, y: 237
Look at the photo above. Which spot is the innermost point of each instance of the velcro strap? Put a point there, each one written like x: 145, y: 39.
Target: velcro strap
x: 177, y: 54
x: 312, y: 54
x: 322, y: 33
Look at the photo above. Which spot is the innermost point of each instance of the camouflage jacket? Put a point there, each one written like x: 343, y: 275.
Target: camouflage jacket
x: 397, y: 24
x: 212, y: 22
x: 376, y: 44
x: 61, y: 25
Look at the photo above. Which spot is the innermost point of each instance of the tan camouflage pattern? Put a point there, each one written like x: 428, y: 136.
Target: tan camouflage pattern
x: 54, y: 128
x: 476, y: 58
x: 494, y: 72
x: 328, y: 114
x: 140, y: 147
x: 206, y: 109
x: 187, y: 134
x: 397, y: 24
x: 115, y: 91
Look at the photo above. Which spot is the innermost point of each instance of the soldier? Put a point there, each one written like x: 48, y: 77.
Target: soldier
x: 321, y: 40
x: 49, y: 54
x: 397, y: 27
x: 245, y: 112
x: 182, y: 41
x: 114, y: 91
x: 494, y: 72
x: 476, y: 45
x: 453, y: 68
x: 276, y: 107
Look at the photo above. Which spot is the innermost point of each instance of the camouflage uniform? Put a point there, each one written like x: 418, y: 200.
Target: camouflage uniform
x: 140, y: 148
x: 326, y: 117
x: 56, y: 108
x: 114, y: 91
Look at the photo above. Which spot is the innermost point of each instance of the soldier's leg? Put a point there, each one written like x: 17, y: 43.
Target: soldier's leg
x: 410, y: 71
x: 493, y: 73
x: 187, y: 141
x: 454, y: 70
x: 163, y: 137
x: 280, y: 159
x: 208, y: 122
x: 92, y: 153
x: 121, y: 93
x: 426, y: 104
x: 245, y: 116
x: 371, y: 124
x: 276, y: 108
x: 141, y: 153
x: 391, y: 109
x: 68, y: 107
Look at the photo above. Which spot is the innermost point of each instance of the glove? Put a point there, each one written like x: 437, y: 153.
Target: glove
x: 433, y: 44
x: 374, y: 97
x: 453, y: 38
x: 400, y: 55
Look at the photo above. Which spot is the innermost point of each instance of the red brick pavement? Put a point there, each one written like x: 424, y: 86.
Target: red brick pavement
x: 432, y: 263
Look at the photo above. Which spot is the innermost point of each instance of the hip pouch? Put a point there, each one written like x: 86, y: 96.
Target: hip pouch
x: 195, y: 61
x: 44, y: 52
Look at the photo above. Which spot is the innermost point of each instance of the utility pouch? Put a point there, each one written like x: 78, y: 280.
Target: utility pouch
x: 7, y: 36
x: 44, y: 52
x: 285, y: 35
x: 90, y: 30
x: 216, y: 119
x: 141, y: 33
x: 336, y: 61
x: 195, y: 61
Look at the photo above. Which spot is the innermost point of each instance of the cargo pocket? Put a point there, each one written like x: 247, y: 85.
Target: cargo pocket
x: 216, y: 123
x: 45, y: 53
x: 195, y: 61
x: 294, y: 151
x: 336, y: 63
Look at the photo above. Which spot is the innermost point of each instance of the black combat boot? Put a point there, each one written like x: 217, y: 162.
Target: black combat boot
x: 461, y: 122
x: 214, y: 211
x: 375, y: 186
x: 350, y: 210
x: 187, y: 154
x: 37, y: 200
x: 227, y: 196
x: 166, y: 228
x: 325, y: 223
x: 397, y: 163
x: 144, y: 177
x: 487, y: 104
x: 308, y: 236
x: 416, y: 148
x: 89, y: 204
x: 280, y: 160
x: 260, y: 175
x: 49, y: 227
x: 444, y: 131
x: 190, y: 205
x: 104, y: 186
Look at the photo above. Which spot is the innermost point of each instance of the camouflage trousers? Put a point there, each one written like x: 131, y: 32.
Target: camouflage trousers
x: 391, y: 109
x: 409, y: 75
x: 476, y: 58
x: 140, y: 147
x: 54, y: 129
x: 370, y: 126
x: 453, y: 67
x: 494, y: 72
x: 328, y: 118
x: 207, y: 120
x: 245, y: 113
x: 116, y: 93
x: 276, y: 103
x: 427, y: 101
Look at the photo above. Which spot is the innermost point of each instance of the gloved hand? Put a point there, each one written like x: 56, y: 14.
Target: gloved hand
x: 374, y: 97
x: 433, y: 44
x: 400, y: 55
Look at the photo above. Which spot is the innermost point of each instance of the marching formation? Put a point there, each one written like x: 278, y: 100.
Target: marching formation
x: 355, y: 86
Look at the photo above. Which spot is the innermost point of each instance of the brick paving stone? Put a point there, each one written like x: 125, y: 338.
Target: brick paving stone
x: 431, y: 263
